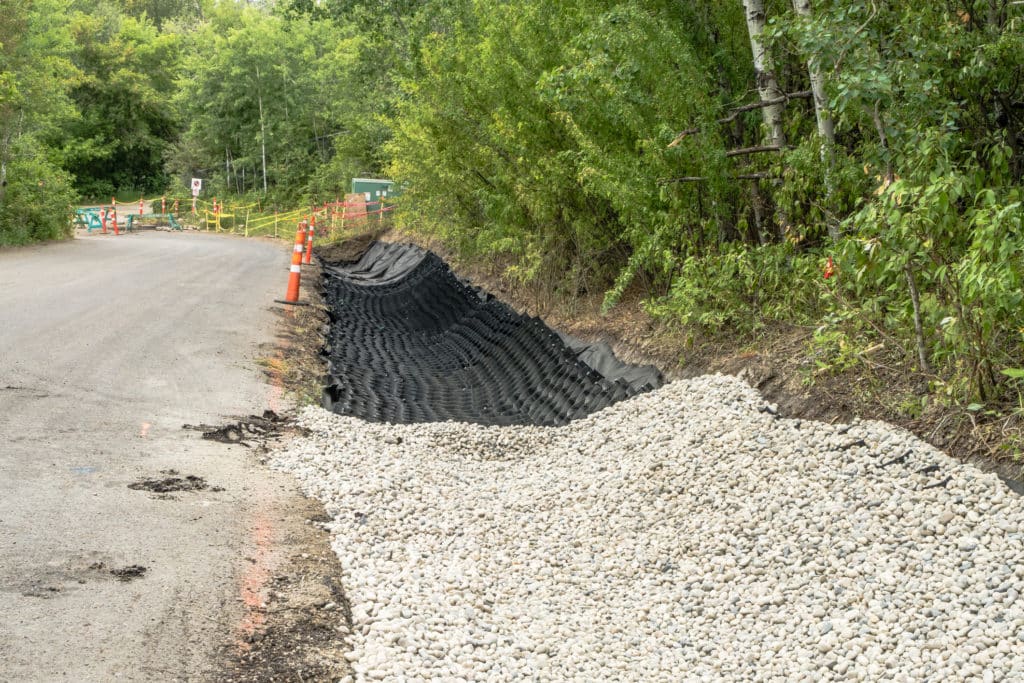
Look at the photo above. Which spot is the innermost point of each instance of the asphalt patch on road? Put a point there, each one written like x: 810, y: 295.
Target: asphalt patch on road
x: 244, y: 430
x: 129, y: 573
x: 172, y: 483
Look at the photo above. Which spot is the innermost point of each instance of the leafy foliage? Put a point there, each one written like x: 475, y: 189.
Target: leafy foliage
x: 596, y: 146
x: 124, y: 95
x: 35, y: 74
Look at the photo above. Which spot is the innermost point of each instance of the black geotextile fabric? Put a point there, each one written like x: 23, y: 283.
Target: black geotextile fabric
x: 410, y: 342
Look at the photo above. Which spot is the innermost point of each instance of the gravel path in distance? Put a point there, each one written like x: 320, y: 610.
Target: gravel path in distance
x: 684, y: 534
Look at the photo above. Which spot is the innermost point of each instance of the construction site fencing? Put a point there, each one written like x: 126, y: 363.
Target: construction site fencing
x: 254, y: 219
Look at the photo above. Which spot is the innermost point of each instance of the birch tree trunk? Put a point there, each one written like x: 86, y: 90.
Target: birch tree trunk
x: 4, y: 146
x: 263, y: 130
x: 826, y: 127
x: 767, y: 85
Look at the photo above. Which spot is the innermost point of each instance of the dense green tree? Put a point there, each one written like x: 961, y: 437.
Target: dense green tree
x: 542, y: 130
x: 721, y: 150
x: 267, y: 99
x: 125, y: 98
x: 162, y: 12
x: 35, y: 75
x: 931, y: 100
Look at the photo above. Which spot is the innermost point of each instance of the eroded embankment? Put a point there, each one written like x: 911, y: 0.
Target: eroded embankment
x: 410, y: 342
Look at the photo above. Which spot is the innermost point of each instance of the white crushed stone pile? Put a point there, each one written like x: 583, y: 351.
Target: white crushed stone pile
x: 685, y: 534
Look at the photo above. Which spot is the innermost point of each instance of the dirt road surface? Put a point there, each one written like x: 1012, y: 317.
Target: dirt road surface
x: 107, y: 347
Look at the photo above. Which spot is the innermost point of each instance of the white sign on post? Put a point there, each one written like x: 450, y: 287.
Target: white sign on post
x: 197, y: 185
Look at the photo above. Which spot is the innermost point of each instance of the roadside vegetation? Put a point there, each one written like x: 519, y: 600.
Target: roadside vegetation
x: 845, y: 171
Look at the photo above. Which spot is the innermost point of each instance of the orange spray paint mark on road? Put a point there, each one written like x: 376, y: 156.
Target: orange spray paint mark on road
x: 254, y: 582
x: 144, y: 430
x: 276, y: 396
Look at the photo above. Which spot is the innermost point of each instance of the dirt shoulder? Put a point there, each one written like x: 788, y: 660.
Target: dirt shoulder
x: 300, y: 615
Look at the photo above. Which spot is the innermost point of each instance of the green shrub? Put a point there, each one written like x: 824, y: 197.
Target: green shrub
x: 743, y: 289
x: 37, y: 202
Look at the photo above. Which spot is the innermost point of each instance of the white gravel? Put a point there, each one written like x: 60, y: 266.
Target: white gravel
x: 686, y: 534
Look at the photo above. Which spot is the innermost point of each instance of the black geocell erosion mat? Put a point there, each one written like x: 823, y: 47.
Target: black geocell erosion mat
x: 411, y: 342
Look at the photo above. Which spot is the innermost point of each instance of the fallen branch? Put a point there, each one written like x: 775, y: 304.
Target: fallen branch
x: 684, y: 179
x: 744, y: 151
x: 801, y: 95
x: 701, y: 179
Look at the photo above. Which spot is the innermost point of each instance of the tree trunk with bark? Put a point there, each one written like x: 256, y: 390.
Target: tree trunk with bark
x: 826, y: 127
x: 767, y: 85
x: 263, y: 130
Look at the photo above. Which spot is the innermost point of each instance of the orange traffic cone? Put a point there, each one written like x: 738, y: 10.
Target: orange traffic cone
x: 295, y: 276
x: 309, y: 241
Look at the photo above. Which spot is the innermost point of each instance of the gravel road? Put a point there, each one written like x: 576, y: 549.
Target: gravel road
x: 107, y: 346
x: 684, y: 534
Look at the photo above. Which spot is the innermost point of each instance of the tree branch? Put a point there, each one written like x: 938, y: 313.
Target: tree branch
x: 754, y: 150
x: 684, y: 179
x: 800, y: 95
x: 736, y: 111
x: 701, y: 179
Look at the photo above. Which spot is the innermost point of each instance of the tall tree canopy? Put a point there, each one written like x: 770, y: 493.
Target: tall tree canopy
x: 127, y: 121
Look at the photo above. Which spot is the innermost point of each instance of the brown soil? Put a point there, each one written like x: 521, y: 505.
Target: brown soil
x: 305, y: 619
x: 129, y: 573
x: 172, y: 483
x: 349, y: 249
x: 294, y: 362
x: 306, y: 616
